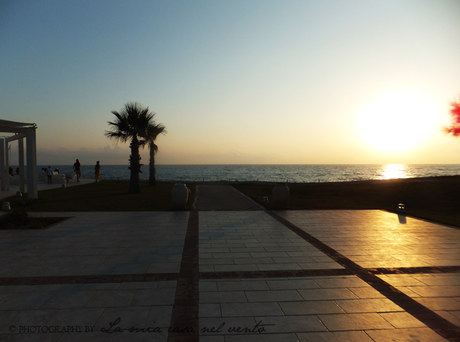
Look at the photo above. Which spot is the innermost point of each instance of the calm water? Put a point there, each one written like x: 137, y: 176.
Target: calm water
x: 272, y: 173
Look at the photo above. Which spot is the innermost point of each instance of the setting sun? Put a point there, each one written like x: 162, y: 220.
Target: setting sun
x: 397, y: 121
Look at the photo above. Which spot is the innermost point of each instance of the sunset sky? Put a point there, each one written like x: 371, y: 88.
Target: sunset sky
x: 236, y: 82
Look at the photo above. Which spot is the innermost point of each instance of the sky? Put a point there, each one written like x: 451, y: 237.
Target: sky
x: 236, y: 82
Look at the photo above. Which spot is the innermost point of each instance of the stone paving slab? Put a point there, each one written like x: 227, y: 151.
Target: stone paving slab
x: 223, y: 197
x: 233, y: 275
x: 329, y: 310
x: 253, y: 241
x: 96, y: 244
x: 81, y: 313
x: 377, y: 238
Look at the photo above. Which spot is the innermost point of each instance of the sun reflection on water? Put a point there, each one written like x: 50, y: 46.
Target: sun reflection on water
x: 392, y: 171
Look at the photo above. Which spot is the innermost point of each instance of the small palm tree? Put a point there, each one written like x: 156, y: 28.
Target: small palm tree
x: 150, y: 136
x: 130, y: 125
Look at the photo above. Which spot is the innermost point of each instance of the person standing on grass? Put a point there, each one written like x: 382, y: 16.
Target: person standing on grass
x: 97, y: 171
x: 76, y: 168
x: 49, y: 173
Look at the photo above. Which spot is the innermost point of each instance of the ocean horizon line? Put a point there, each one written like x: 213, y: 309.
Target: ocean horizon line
x: 292, y: 173
x: 294, y: 164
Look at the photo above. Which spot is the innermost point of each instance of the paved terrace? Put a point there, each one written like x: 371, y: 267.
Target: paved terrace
x: 231, y: 275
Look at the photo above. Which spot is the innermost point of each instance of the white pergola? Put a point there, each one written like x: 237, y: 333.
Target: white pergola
x: 21, y: 131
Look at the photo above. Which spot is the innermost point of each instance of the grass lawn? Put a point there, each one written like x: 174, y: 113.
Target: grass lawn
x: 434, y: 198
x: 105, y: 196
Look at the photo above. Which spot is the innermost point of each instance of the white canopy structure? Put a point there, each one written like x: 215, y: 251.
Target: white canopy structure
x: 20, y: 131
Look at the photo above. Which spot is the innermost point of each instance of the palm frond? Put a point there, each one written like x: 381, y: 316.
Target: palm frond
x: 153, y: 146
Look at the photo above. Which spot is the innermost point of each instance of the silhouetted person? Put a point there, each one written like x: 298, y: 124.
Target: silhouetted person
x: 97, y: 171
x: 49, y: 173
x: 76, y: 168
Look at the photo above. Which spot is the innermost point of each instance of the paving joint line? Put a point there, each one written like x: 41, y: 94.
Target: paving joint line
x: 85, y: 279
x: 148, y: 277
x: 435, y: 322
x: 249, y: 198
x: 184, y: 317
x: 415, y: 270
x: 274, y: 274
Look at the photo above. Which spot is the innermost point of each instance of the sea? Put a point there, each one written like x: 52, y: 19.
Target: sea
x: 269, y: 173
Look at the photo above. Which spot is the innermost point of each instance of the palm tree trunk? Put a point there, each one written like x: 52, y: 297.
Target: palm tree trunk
x: 135, y: 167
x: 152, y: 172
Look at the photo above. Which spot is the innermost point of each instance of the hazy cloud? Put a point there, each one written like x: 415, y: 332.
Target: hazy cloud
x: 64, y: 156
x: 229, y: 157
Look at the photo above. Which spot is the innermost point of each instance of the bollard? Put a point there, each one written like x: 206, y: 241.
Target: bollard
x: 179, y: 195
x: 6, y: 206
x: 280, y: 195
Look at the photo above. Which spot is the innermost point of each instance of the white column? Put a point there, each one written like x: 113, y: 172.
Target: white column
x: 7, y: 165
x: 22, y: 178
x: 31, y: 163
x: 3, y: 173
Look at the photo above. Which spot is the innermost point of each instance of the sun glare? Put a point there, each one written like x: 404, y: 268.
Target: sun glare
x: 392, y: 171
x: 397, y: 121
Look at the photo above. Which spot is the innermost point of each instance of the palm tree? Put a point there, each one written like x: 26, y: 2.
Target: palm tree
x: 151, y: 134
x: 130, y: 125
